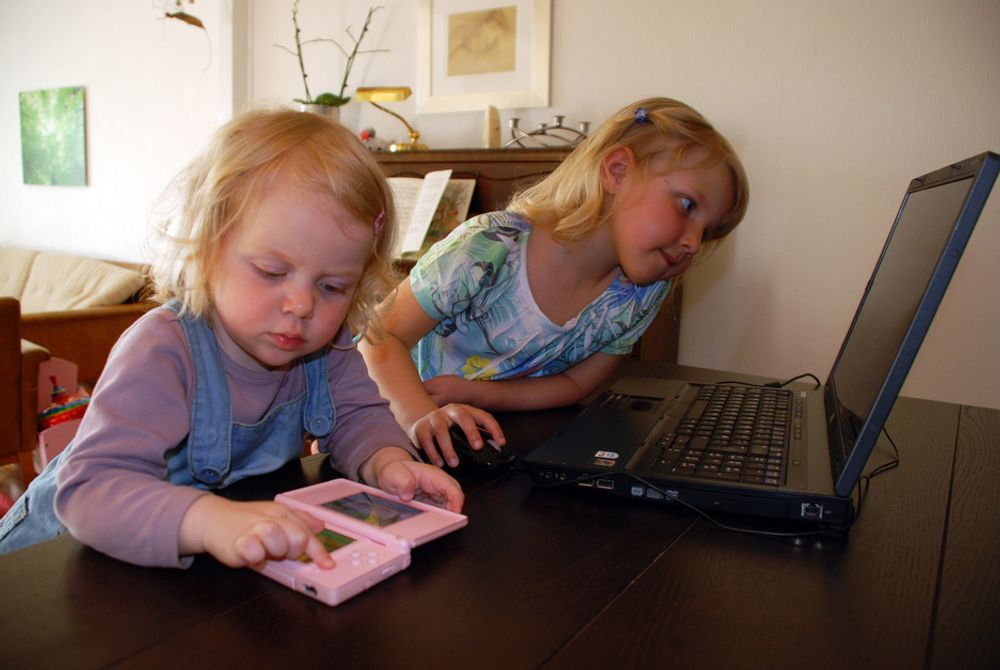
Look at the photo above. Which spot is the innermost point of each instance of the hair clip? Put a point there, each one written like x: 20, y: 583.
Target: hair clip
x: 378, y: 222
x: 641, y: 116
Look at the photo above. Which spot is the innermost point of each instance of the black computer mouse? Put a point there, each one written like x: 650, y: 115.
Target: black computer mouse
x: 491, y: 457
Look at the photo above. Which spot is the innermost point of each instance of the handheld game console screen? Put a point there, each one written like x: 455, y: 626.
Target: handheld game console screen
x: 372, y: 509
x: 331, y: 542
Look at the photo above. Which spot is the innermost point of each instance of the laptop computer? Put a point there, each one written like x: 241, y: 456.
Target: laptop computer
x: 771, y: 451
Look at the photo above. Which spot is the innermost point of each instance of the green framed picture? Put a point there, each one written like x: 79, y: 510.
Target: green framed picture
x: 53, y: 137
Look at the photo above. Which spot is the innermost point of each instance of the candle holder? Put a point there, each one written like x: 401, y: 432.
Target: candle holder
x: 547, y: 135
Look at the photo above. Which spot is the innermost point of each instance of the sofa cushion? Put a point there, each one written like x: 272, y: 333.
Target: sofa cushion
x: 58, y: 282
x: 15, y: 265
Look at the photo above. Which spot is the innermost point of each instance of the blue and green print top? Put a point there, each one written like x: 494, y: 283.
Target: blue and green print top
x: 474, y: 284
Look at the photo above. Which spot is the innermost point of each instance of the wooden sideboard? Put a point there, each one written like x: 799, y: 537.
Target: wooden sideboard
x: 499, y: 173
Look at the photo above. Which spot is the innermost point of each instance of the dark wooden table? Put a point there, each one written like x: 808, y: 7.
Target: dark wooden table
x: 572, y: 578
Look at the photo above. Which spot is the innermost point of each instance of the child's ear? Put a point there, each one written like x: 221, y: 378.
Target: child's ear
x: 614, y: 167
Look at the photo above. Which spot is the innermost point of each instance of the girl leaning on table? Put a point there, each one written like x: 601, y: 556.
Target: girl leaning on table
x: 279, y: 247
x: 535, y: 306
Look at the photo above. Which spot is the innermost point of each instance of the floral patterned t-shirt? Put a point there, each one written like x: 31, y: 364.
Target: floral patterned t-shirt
x: 474, y: 284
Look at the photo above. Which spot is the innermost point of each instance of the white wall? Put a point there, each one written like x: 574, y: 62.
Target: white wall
x: 833, y: 106
x: 155, y: 89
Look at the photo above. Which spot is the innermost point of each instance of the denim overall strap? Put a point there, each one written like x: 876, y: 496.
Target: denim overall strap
x: 319, y: 415
x: 19, y: 529
x: 209, y: 447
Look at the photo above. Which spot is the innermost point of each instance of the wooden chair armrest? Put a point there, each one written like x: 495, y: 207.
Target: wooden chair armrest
x: 83, y: 336
x: 32, y: 355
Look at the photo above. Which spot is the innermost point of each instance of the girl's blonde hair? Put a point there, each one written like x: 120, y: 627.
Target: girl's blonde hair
x: 244, y: 159
x: 571, y: 200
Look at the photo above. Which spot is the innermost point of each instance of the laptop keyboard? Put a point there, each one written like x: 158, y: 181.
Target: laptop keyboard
x: 730, y: 433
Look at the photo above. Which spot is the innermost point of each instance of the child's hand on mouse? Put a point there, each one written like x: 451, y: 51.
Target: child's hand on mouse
x: 393, y: 470
x: 431, y: 431
x: 246, y: 534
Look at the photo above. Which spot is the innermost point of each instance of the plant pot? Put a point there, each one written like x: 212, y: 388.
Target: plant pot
x: 328, y: 111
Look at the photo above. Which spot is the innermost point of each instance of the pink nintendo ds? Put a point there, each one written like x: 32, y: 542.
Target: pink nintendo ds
x: 368, y: 533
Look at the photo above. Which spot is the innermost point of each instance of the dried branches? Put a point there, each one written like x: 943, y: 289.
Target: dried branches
x: 332, y: 99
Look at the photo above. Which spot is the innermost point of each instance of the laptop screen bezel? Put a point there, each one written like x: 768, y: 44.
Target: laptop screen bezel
x: 849, y: 451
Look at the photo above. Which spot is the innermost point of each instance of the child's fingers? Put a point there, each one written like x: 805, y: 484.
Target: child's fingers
x: 424, y: 438
x: 487, y: 421
x: 280, y: 538
x: 315, y: 550
x: 300, y: 531
x: 311, y: 522
x: 434, y: 439
x: 439, y: 484
x: 404, y: 477
x: 250, y: 551
x: 400, y: 480
x: 443, y: 437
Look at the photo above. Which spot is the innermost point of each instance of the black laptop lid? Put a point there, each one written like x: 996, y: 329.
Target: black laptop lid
x: 931, y: 230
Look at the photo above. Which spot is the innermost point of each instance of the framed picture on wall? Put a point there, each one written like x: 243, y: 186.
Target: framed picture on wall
x: 476, y: 53
x: 53, y: 137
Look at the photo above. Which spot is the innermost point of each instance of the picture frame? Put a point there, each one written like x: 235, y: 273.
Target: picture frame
x: 472, y: 54
x: 53, y: 136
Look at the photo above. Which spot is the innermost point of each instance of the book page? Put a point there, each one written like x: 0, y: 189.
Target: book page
x: 405, y: 193
x: 430, y: 194
x: 451, y: 209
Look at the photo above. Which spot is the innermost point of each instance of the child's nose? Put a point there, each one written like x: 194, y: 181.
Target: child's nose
x: 691, y: 240
x: 299, y: 304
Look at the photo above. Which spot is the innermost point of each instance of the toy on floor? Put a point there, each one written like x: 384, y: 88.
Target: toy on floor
x: 64, y: 407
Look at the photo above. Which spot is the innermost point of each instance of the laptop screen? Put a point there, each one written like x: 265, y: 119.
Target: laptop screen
x: 931, y: 230
x: 907, y: 263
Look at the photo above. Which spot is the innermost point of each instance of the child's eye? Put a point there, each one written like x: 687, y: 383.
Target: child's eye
x: 268, y: 274
x: 688, y: 205
x: 327, y: 287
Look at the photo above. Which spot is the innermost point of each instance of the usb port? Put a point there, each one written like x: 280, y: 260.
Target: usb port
x: 589, y: 484
x: 310, y: 589
x: 811, y: 511
x: 606, y: 484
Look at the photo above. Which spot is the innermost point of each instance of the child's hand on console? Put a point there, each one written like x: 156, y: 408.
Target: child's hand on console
x: 246, y: 534
x: 393, y: 470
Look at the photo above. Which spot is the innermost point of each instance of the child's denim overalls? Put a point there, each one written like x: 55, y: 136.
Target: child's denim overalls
x: 217, y: 451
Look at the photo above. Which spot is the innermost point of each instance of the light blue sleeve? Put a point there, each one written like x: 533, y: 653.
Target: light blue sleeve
x: 635, y: 320
x: 453, y: 272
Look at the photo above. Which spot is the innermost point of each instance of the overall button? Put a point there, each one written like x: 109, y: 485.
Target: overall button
x: 209, y: 475
x: 319, y: 425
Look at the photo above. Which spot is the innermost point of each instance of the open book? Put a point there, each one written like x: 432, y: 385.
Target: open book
x: 428, y: 208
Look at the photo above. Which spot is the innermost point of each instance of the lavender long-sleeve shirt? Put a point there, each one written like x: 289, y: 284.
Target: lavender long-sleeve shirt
x: 113, y: 493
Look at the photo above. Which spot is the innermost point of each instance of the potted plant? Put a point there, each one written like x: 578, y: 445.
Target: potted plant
x: 327, y: 103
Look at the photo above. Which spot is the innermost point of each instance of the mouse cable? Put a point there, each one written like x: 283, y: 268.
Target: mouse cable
x: 774, y: 385
x: 862, y: 488
x: 672, y: 496
x: 863, y: 485
x: 864, y: 482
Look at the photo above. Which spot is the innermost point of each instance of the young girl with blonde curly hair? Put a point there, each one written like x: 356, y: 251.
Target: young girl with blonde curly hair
x: 280, y: 247
x: 535, y: 306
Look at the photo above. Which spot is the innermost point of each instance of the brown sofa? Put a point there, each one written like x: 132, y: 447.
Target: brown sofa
x: 56, y: 305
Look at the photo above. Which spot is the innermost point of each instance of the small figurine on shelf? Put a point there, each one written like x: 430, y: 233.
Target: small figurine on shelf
x: 64, y: 407
x: 369, y: 139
